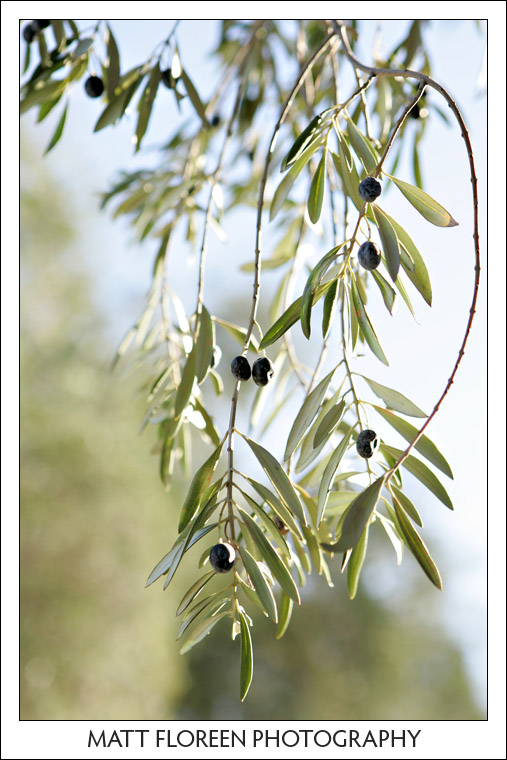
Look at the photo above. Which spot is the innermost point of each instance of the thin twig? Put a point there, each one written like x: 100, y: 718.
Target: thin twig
x: 398, y: 126
x: 260, y: 205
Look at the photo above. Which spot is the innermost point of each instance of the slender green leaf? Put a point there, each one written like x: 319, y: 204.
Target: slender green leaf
x: 390, y: 246
x: 403, y: 293
x: 301, y: 143
x: 118, y: 104
x: 309, y: 452
x: 314, y: 549
x: 198, y: 608
x: 429, y: 208
x: 329, y: 422
x: 330, y: 301
x: 422, y: 473
x: 416, y: 271
x: 388, y: 294
x: 82, y: 47
x: 362, y: 146
x: 316, y: 195
x: 201, y: 630
x: 186, y: 385
x: 394, y: 400
x: 197, y: 487
x: 338, y: 501
x: 271, y: 557
x: 347, y: 171
x: 417, y: 546
x: 246, y: 672
x: 268, y: 524
x: 113, y: 63
x: 41, y: 94
x: 353, y: 323
x: 45, y: 58
x: 311, y: 286
x: 301, y: 561
x: 146, y: 104
x: 278, y: 478
x: 357, y: 517
x: 290, y: 317
x: 59, y: 33
x: 365, y: 324
x: 424, y: 445
x: 194, y: 97
x: 260, y: 584
x: 191, y: 539
x: 329, y: 473
x: 238, y: 333
x: 193, y: 591
x: 287, y: 182
x: 26, y: 64
x: 416, y: 167
x: 307, y: 414
x: 355, y: 563
x: 58, y: 131
x: 286, y: 608
x: 204, y: 345
x: 407, y: 505
x: 277, y: 506
x: 209, y: 428
x: 48, y: 106
x: 165, y: 563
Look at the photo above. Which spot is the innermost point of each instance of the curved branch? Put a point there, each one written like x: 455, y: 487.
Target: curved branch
x: 409, y: 74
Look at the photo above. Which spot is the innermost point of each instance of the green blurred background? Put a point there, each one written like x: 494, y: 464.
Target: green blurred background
x: 95, y: 519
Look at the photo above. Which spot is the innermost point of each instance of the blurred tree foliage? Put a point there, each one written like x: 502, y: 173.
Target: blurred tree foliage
x: 94, y: 643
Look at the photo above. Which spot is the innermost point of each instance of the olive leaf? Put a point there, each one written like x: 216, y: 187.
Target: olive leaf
x: 246, y: 672
x: 307, y: 414
x: 316, y: 195
x: 357, y: 517
x: 429, y: 208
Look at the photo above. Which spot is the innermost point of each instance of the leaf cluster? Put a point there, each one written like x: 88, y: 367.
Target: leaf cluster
x: 320, y: 498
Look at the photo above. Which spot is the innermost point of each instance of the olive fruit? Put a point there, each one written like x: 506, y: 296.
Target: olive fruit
x: 29, y: 33
x: 240, y: 368
x: 94, y: 87
x: 369, y: 189
x: 369, y: 255
x: 167, y: 78
x: 215, y: 120
x: 40, y: 24
x: 262, y: 371
x: 367, y: 442
x: 222, y: 557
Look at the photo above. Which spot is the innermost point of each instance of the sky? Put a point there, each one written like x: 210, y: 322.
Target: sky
x: 420, y: 354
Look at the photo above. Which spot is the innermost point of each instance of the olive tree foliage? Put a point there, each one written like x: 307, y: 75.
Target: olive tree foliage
x: 259, y: 538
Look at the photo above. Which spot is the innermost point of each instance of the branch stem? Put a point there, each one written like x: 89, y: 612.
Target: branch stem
x: 340, y: 29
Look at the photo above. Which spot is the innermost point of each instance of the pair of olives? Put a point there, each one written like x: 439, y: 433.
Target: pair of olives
x: 262, y: 370
x: 369, y: 256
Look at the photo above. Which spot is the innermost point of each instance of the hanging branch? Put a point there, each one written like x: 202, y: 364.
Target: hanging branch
x: 426, y: 80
